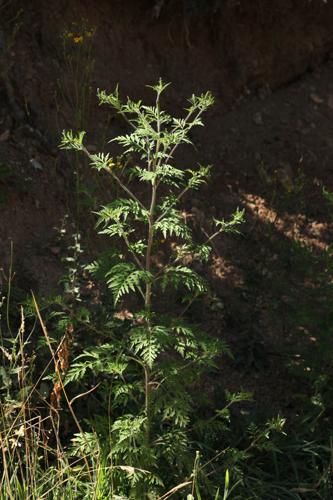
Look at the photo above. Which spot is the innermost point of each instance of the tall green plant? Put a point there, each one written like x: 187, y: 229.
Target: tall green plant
x: 154, y: 355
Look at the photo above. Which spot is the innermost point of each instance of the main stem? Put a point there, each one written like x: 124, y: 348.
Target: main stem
x: 148, y: 300
x: 148, y: 294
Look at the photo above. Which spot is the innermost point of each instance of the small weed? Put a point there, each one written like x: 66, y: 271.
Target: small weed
x: 74, y: 91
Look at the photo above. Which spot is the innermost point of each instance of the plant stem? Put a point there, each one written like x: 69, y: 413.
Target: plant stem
x: 9, y: 289
x: 148, y: 300
x: 150, y: 241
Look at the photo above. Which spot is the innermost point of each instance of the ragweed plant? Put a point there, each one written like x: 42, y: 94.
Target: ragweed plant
x: 155, y: 355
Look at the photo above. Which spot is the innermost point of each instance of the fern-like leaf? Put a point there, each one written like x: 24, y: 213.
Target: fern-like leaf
x: 177, y: 276
x: 124, y: 278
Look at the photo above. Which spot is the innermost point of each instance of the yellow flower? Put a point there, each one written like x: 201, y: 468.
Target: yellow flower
x: 110, y: 164
x: 78, y: 39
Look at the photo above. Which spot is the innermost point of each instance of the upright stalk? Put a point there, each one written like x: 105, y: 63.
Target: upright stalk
x: 150, y: 241
x: 148, y: 300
